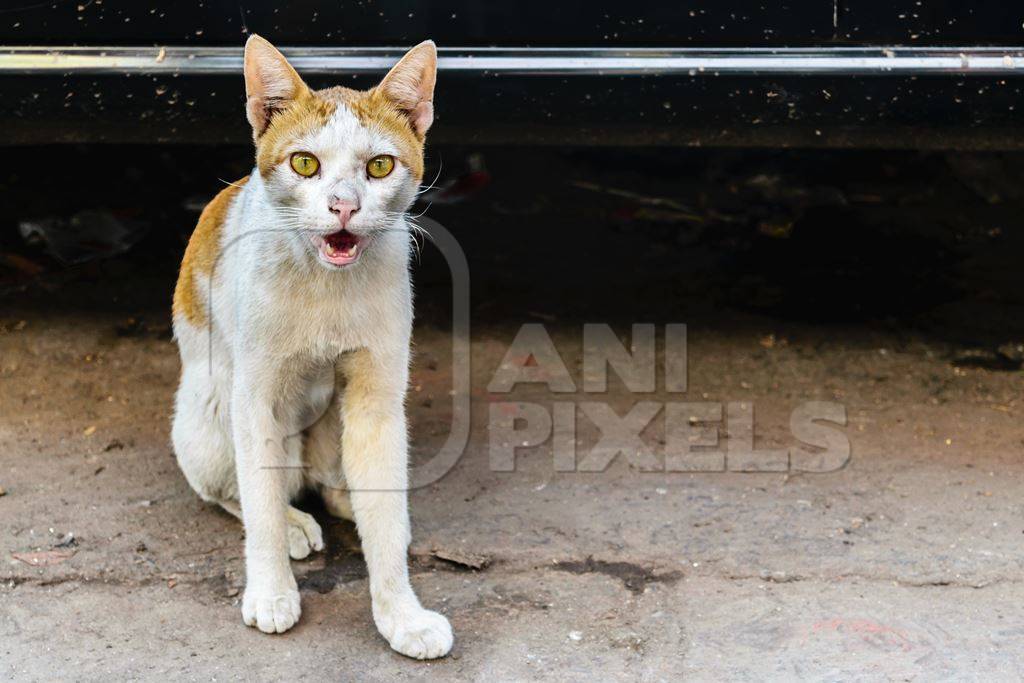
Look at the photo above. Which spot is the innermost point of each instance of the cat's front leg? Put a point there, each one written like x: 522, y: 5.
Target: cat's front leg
x: 271, y: 598
x: 375, y: 462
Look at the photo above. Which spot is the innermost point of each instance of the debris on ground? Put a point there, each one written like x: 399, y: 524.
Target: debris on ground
x: 776, y: 229
x: 988, y: 359
x: 462, y: 558
x: 137, y: 327
x: 777, y: 576
x: 87, y: 235
x: 789, y: 191
x: 68, y: 540
x: 636, y: 197
x: 44, y: 558
x: 645, y: 214
x: 132, y: 327
x: 1012, y: 350
x: 22, y: 264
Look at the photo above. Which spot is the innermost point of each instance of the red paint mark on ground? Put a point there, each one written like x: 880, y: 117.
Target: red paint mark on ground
x: 874, y: 634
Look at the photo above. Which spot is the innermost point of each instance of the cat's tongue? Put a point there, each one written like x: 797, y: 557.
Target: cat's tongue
x: 340, y: 248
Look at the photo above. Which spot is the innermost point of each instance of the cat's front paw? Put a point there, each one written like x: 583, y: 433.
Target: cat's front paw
x: 271, y: 611
x: 416, y: 632
x: 304, y: 534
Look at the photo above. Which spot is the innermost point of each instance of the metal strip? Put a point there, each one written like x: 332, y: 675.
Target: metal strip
x: 527, y: 61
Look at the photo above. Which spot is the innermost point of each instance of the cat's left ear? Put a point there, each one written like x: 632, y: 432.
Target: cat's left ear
x: 410, y: 85
x: 271, y: 84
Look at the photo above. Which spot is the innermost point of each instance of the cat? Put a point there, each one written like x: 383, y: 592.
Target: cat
x: 293, y: 315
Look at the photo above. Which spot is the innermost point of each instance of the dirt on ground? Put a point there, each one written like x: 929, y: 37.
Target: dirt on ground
x: 887, y: 284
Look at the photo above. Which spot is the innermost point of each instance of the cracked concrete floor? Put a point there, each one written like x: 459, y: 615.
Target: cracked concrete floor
x: 904, y: 565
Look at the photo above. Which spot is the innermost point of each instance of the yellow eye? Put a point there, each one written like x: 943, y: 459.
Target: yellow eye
x: 305, y: 164
x: 380, y: 166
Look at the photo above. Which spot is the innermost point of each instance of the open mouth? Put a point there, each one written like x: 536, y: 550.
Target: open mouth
x: 339, y: 248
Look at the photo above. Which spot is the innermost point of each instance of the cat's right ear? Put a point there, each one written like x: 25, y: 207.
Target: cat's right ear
x: 270, y: 83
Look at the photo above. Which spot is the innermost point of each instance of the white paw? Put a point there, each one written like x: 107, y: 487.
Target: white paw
x: 271, y: 611
x: 304, y: 534
x: 416, y: 632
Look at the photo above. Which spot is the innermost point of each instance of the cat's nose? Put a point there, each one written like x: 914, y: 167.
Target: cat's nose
x: 343, y: 209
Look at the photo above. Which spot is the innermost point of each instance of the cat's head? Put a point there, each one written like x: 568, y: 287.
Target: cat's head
x: 339, y: 165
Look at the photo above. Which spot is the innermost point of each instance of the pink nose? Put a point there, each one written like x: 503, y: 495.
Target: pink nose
x: 343, y: 210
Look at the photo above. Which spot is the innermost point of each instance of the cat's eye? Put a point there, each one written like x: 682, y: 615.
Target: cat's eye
x: 380, y: 166
x: 305, y: 164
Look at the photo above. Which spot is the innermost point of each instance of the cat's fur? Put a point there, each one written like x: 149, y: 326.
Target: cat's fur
x: 294, y: 368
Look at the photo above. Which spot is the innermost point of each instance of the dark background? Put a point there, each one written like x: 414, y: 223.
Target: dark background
x: 916, y: 243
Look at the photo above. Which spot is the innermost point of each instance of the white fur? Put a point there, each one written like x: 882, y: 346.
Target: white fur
x: 300, y: 380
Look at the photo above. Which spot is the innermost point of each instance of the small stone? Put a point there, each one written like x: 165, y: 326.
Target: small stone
x: 68, y: 540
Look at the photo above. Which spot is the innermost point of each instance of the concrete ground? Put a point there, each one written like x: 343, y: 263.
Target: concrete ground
x: 906, y: 564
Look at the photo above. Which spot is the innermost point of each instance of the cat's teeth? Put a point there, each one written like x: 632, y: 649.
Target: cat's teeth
x: 347, y: 253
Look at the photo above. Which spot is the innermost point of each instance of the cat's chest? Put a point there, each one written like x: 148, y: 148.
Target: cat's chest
x: 327, y: 321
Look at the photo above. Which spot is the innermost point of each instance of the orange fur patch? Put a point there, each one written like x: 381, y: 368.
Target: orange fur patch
x: 201, y: 255
x: 304, y: 115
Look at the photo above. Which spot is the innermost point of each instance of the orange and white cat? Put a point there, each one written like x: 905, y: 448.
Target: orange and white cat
x: 293, y: 315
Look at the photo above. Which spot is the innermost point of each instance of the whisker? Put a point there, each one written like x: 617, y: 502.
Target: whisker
x: 427, y: 208
x: 433, y: 183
